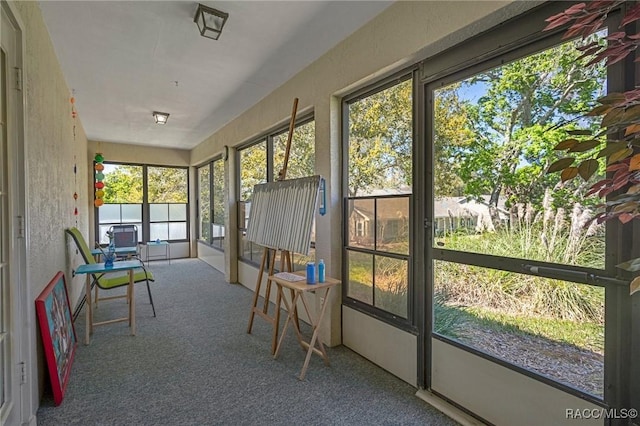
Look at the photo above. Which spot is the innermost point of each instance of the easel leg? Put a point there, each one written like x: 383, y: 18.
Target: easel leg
x: 274, y: 338
x: 286, y: 262
x: 264, y: 313
x: 257, y: 292
x: 276, y: 325
x: 267, y: 293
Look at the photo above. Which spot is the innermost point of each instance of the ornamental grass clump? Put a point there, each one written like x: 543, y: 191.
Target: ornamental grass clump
x: 548, y: 235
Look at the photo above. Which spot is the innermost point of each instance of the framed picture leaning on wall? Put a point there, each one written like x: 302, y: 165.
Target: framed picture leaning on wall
x: 58, y: 334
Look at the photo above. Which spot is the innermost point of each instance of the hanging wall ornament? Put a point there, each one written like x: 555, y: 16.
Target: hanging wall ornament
x: 74, y: 114
x: 75, y: 185
x: 99, y: 177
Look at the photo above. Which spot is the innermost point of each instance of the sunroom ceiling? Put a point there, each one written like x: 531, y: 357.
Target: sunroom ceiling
x: 125, y: 59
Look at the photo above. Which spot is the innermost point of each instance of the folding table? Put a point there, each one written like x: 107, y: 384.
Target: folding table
x: 100, y: 268
x: 299, y: 288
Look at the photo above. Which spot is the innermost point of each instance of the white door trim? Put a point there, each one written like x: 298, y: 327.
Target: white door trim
x: 25, y: 328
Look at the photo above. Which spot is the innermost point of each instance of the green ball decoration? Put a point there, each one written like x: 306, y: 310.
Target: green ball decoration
x: 99, y: 185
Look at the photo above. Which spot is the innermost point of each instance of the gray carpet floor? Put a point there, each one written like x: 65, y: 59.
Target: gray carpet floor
x: 195, y: 365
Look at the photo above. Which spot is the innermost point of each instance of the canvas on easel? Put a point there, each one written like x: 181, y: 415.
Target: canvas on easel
x: 281, y: 219
x: 58, y: 334
x: 282, y: 214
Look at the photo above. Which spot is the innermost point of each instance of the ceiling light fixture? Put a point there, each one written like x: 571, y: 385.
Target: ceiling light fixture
x: 160, y: 117
x: 210, y: 21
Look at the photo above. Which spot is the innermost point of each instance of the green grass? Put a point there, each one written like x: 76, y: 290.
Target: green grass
x: 514, y: 293
x: 361, y: 292
x: 450, y: 320
x: 447, y: 319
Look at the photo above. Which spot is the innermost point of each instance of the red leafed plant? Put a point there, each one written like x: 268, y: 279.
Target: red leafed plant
x: 619, y: 133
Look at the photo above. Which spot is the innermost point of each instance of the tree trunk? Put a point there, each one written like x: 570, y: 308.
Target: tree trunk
x: 493, y: 205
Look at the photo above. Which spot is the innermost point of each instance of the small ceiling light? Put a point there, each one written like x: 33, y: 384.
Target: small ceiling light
x: 210, y: 21
x: 160, y: 117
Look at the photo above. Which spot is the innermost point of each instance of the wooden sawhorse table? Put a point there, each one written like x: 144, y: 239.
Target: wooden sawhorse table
x: 298, y: 290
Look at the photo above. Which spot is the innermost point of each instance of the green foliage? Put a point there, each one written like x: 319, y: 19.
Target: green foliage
x: 301, y: 155
x: 452, y: 134
x: 253, y: 160
x: 447, y: 319
x: 360, y: 269
x: 588, y: 335
x: 359, y: 289
x: 501, y: 122
x: 204, y: 177
x: 518, y: 295
x: 620, y: 114
x: 391, y: 285
x: 390, y: 291
x: 253, y: 169
x: 549, y: 235
x: 218, y: 192
x: 452, y: 321
x: 167, y: 185
x: 381, y: 140
x: 123, y: 185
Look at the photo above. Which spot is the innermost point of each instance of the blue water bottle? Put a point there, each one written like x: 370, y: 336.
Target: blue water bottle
x: 311, y: 273
x: 321, y: 271
x: 110, y: 256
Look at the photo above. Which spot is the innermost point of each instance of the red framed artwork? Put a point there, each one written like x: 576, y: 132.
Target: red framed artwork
x: 58, y: 334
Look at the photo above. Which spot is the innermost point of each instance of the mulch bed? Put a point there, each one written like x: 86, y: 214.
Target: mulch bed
x: 565, y: 363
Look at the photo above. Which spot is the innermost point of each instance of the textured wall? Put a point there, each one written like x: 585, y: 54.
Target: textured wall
x: 50, y: 153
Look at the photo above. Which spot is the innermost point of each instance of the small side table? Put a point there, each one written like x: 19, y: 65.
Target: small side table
x: 97, y: 269
x: 120, y: 252
x: 167, y: 251
x: 299, y: 288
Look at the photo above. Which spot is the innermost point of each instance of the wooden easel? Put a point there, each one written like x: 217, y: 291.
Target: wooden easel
x: 268, y: 253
